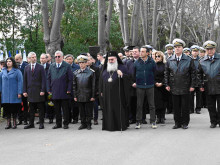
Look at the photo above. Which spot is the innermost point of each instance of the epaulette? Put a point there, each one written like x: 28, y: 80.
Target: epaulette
x: 92, y: 70
x: 76, y: 71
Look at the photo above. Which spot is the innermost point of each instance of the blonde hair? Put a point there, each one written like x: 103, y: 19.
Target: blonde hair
x: 162, y: 55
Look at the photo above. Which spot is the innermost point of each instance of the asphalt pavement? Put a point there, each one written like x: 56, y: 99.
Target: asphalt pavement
x: 198, y: 145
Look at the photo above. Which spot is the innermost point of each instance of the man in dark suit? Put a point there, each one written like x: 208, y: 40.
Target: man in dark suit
x: 34, y: 88
x: 60, y: 79
x: 73, y: 106
x: 49, y: 110
x: 22, y: 115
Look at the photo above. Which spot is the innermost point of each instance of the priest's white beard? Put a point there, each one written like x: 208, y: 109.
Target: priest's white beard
x: 111, y: 67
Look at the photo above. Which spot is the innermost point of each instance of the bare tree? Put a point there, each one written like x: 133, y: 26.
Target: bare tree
x: 172, y: 20
x: 154, y: 24
x: 52, y: 35
x: 101, y: 24
x: 144, y: 19
x: 135, y: 23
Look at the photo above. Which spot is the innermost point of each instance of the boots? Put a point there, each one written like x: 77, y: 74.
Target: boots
x: 14, y: 123
x: 8, y: 126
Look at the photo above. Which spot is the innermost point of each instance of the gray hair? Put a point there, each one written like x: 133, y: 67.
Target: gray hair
x: 69, y: 55
x: 43, y: 54
x: 31, y: 53
x: 59, y: 52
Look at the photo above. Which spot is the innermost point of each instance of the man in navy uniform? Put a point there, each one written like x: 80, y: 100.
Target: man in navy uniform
x: 34, y: 89
x: 180, y: 75
x: 22, y: 115
x: 197, y: 92
x: 84, y: 91
x: 209, y: 76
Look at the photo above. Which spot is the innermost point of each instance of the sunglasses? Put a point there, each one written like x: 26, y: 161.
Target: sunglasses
x: 57, y: 56
x: 157, y: 56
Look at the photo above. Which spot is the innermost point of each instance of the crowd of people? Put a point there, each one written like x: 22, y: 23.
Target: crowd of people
x: 125, y: 87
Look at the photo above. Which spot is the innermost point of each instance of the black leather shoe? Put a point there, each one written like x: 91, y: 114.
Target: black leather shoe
x: 212, y: 125
x: 96, y: 122
x: 57, y: 126
x: 41, y: 126
x: 184, y: 126
x: 82, y: 127
x: 19, y: 123
x: 89, y: 127
x: 75, y: 121
x: 8, y: 126
x: 176, y: 126
x: 25, y: 123
x: 29, y: 126
x: 65, y: 127
x: 50, y: 121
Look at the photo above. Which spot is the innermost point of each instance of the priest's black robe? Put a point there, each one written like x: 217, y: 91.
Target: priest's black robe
x: 115, y: 115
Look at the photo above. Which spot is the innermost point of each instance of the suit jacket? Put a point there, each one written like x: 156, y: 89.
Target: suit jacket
x: 74, y: 67
x: 34, y: 83
x: 60, y: 80
x: 24, y: 64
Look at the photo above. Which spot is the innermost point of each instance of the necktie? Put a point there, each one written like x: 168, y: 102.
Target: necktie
x: 178, y: 60
x: 33, y: 68
x: 58, y: 65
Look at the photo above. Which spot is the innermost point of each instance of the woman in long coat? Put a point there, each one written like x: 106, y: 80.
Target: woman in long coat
x: 160, y: 92
x: 11, y: 84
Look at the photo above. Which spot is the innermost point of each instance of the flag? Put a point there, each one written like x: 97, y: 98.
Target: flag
x: 9, y: 53
x: 16, y: 51
x: 1, y: 55
x: 20, y: 52
x: 24, y: 56
x: 6, y: 54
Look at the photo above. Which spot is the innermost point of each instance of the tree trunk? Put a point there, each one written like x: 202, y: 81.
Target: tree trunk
x: 154, y: 24
x: 52, y: 35
x: 120, y: 6
x: 125, y: 20
x: 144, y: 22
x: 101, y: 25
x: 108, y: 24
x: 181, y: 18
x: 136, y: 15
x: 177, y: 6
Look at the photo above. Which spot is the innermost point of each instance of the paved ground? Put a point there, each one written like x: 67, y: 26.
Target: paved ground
x: 199, y: 145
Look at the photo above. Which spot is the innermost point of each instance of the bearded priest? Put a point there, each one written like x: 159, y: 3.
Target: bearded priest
x: 112, y: 89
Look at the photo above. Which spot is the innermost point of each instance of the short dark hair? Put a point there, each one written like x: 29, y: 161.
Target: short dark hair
x: 147, y: 49
x: 14, y: 65
x: 136, y: 47
x: 100, y: 53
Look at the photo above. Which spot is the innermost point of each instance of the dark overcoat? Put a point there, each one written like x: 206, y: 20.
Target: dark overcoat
x: 60, y: 80
x: 34, y: 83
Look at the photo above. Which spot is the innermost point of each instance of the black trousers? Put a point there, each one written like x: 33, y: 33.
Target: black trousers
x: 169, y: 103
x: 73, y: 110
x: 23, y: 115
x: 86, y: 111
x: 133, y: 107
x: 11, y: 110
x: 181, y: 109
x: 198, y: 99
x: 33, y: 107
x: 214, y: 112
x: 58, y: 104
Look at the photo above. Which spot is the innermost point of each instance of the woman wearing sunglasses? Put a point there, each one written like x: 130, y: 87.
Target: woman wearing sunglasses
x: 160, y: 91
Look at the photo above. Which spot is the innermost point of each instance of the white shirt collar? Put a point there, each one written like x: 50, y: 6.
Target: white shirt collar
x: 59, y: 64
